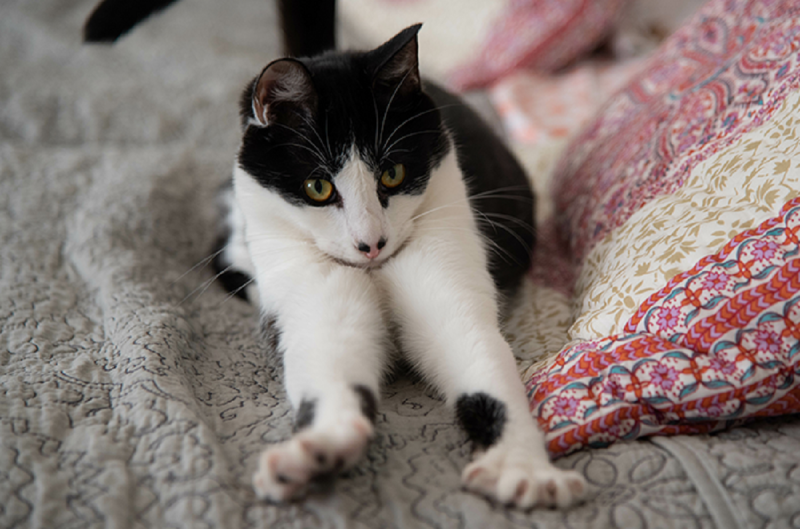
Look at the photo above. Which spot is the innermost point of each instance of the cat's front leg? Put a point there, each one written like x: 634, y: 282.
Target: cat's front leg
x: 444, y: 299
x: 333, y: 342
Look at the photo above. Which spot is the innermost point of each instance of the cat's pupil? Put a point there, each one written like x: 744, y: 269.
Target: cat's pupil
x: 318, y: 186
x: 392, y: 173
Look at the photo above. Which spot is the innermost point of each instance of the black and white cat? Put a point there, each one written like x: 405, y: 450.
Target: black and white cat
x: 360, y: 203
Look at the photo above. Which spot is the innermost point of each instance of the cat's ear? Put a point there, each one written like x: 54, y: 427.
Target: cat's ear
x: 284, y: 93
x: 397, y: 64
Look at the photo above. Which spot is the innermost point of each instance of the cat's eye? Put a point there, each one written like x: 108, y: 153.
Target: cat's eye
x: 394, y: 176
x: 318, y: 190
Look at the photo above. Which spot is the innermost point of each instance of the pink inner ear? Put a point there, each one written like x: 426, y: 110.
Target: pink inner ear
x: 259, y: 102
x: 284, y: 81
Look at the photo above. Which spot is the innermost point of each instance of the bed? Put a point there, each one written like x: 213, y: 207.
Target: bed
x: 135, y: 392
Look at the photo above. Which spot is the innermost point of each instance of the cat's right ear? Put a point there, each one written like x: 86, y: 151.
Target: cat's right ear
x: 283, y: 93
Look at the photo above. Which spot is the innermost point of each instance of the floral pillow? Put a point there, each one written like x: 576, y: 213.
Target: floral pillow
x: 680, y: 204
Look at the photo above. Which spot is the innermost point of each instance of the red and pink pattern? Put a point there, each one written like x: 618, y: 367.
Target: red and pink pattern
x: 718, y: 344
x: 721, y: 75
x: 544, y: 35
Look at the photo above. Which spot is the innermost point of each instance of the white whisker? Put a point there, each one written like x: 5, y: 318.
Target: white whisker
x: 204, y: 285
x: 204, y: 262
x: 510, y: 232
x: 519, y: 222
x: 389, y: 104
x: 233, y: 294
x: 314, y: 130
x: 388, y: 150
x: 415, y: 116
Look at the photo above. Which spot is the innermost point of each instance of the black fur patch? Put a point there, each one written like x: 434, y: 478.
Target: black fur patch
x: 369, y: 404
x: 308, y: 26
x: 498, y: 187
x: 352, y: 110
x: 113, y: 18
x: 482, y: 416
x: 305, y: 414
x: 233, y: 281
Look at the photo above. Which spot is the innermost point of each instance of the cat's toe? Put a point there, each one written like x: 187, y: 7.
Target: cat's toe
x: 283, y: 472
x: 511, y: 478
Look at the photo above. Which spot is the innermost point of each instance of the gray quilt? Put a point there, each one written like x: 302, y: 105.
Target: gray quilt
x: 135, y: 393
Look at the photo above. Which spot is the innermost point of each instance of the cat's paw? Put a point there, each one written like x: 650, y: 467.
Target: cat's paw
x: 513, y: 477
x: 285, y: 469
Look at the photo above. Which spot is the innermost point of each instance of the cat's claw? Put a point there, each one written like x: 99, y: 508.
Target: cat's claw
x: 286, y: 469
x: 512, y: 477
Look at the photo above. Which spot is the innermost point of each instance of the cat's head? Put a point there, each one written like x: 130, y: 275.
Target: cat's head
x: 349, y: 142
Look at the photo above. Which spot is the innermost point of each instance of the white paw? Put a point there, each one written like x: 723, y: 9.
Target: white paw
x: 285, y: 469
x: 515, y: 477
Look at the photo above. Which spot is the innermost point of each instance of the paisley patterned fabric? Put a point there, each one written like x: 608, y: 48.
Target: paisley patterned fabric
x: 718, y: 343
x: 716, y: 78
x: 681, y: 205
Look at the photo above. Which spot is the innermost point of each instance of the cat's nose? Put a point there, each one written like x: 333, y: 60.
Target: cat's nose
x: 371, y: 251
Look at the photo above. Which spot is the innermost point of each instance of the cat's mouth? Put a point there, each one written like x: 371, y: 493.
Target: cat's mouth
x: 368, y: 265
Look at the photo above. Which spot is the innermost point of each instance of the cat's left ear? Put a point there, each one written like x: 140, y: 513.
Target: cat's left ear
x: 284, y: 93
x: 397, y: 64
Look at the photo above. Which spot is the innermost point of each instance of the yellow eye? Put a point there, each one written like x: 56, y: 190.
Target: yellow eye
x: 318, y: 190
x: 394, y: 177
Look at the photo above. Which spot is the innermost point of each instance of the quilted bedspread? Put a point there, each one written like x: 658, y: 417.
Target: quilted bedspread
x: 135, y: 393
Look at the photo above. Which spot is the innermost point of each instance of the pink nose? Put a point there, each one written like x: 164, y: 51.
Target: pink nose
x: 371, y: 251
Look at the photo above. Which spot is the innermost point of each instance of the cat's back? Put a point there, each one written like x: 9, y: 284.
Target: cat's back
x: 499, y: 188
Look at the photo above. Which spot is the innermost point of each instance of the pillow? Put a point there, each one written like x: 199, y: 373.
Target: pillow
x: 543, y: 35
x: 482, y: 40
x: 680, y: 204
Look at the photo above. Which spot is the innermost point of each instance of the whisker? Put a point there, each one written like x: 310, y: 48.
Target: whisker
x: 504, y: 197
x: 233, y: 294
x: 415, y: 116
x: 492, y: 244
x: 319, y: 156
x: 314, y: 130
x: 204, y: 262
x: 438, y: 208
x: 493, y: 224
x: 375, y: 107
x: 389, y: 104
x: 500, y: 189
x: 299, y: 133
x: 388, y: 150
x: 204, y: 285
x: 510, y: 232
x: 327, y: 138
x: 519, y: 222
x: 312, y: 147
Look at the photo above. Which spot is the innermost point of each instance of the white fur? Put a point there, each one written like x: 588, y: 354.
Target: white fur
x: 332, y: 309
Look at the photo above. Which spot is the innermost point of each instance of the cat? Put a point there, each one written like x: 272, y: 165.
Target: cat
x: 372, y: 207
